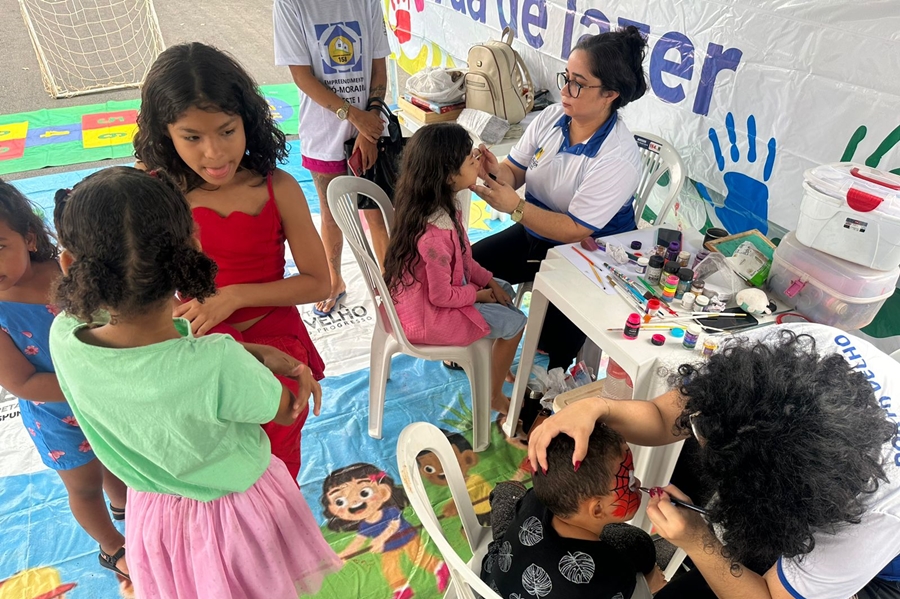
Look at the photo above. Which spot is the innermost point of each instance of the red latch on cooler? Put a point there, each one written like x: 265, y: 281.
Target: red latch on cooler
x: 796, y: 286
x: 862, y: 201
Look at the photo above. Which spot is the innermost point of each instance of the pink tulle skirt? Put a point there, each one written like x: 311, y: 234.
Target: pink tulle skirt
x: 260, y: 544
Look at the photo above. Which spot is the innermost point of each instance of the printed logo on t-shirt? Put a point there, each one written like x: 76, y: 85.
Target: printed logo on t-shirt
x: 340, y: 43
x: 537, y: 156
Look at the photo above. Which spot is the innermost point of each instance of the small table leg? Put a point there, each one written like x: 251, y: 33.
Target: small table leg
x: 536, y: 313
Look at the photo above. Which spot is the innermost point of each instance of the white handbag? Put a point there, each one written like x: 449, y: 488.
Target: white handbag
x: 498, y: 82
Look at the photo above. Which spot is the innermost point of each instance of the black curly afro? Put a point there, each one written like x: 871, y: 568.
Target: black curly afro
x: 792, y: 444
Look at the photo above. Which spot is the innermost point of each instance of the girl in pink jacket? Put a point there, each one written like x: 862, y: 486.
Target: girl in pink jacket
x: 444, y: 297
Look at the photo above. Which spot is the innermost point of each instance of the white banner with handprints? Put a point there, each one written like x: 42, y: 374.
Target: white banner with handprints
x: 750, y: 92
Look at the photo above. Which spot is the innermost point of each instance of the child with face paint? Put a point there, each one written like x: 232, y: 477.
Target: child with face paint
x: 566, y: 537
x: 362, y: 497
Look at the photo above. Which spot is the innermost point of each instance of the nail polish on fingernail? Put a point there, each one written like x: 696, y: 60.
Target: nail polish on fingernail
x: 544, y: 470
x: 577, y: 465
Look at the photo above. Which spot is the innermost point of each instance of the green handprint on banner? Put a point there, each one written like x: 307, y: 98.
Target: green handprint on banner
x: 886, y: 145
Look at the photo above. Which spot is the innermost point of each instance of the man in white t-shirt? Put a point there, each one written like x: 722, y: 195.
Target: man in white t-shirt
x: 336, y: 51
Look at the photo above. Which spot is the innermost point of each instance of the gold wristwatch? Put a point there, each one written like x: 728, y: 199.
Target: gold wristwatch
x: 519, y: 212
x: 344, y: 110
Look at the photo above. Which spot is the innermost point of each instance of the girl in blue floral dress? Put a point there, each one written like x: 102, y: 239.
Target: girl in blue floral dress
x: 28, y: 270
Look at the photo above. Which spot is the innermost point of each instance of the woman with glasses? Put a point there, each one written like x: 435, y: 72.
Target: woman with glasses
x: 797, y: 442
x: 580, y: 167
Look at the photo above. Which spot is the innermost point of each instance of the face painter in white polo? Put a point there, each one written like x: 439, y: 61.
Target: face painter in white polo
x: 580, y: 166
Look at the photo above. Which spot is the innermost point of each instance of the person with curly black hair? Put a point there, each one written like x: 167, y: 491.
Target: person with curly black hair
x: 798, y: 445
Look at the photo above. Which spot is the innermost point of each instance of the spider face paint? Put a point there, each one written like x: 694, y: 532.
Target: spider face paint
x: 628, y: 496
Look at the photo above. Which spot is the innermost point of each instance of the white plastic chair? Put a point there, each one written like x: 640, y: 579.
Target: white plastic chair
x: 657, y: 157
x: 388, y: 338
x: 464, y: 577
x: 896, y: 355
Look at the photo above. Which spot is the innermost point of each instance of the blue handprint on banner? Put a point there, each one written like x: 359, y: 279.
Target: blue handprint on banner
x: 747, y: 199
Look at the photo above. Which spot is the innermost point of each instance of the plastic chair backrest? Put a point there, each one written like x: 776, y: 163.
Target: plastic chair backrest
x: 414, y: 439
x: 657, y: 157
x: 342, y: 193
x: 896, y: 355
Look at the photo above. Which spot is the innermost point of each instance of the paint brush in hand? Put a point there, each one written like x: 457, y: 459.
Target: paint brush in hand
x: 680, y: 503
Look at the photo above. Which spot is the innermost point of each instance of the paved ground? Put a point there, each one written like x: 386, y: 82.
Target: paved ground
x: 241, y: 27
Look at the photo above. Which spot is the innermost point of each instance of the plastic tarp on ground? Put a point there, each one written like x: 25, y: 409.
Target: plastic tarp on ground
x: 40, y: 536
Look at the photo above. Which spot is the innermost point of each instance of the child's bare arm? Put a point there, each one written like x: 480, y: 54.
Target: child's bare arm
x: 20, y: 378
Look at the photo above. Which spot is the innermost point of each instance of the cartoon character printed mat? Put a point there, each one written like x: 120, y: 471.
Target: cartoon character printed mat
x: 79, y: 134
x: 350, y: 480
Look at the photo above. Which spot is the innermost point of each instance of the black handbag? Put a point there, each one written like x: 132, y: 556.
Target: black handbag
x: 386, y: 170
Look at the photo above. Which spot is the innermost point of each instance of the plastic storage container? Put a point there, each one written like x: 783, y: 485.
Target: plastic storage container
x: 852, y: 212
x: 826, y: 289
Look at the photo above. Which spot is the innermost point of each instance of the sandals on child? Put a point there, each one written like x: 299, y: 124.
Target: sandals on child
x: 451, y: 365
x: 109, y: 561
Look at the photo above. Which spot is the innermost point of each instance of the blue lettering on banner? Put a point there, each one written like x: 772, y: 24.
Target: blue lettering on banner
x: 533, y: 24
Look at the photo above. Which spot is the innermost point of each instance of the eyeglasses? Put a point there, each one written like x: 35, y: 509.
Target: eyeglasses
x: 562, y: 80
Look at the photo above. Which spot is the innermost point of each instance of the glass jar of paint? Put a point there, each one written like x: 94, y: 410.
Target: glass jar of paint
x: 632, y: 326
x: 642, y: 264
x: 697, y: 286
x: 654, y: 269
x: 684, y: 258
x: 687, y: 302
x: 669, y: 287
x: 684, y: 282
x: 710, y: 346
x: 671, y: 268
x: 691, y: 336
x: 701, y: 304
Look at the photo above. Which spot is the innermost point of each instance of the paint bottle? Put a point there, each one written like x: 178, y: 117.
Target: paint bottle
x: 642, y: 265
x: 684, y: 282
x: 701, y: 304
x: 711, y: 234
x: 691, y: 336
x: 683, y: 259
x: 687, y: 302
x: 670, y: 287
x: 710, y: 345
x: 653, y: 306
x: 673, y: 251
x: 632, y: 326
x: 661, y: 251
x: 635, y: 245
x: 697, y: 286
x: 671, y: 268
x: 654, y: 269
x: 658, y: 339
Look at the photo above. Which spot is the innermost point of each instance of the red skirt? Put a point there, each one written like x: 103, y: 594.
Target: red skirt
x: 283, y: 329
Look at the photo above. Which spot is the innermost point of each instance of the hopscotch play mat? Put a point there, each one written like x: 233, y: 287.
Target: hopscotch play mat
x: 43, y: 552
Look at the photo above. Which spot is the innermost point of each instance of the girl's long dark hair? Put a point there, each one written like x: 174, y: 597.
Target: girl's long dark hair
x: 199, y: 76
x: 432, y: 156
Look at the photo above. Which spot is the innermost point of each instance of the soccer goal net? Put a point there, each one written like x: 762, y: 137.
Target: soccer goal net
x: 86, y: 46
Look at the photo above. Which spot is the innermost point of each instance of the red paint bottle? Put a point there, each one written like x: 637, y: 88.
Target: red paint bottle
x: 632, y: 326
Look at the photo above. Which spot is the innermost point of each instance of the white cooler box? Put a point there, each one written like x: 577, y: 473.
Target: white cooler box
x: 826, y: 289
x: 852, y: 212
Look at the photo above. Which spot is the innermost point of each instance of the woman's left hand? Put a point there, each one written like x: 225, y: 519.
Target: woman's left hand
x: 680, y: 526
x: 369, y: 151
x: 498, y: 195
x: 205, y: 316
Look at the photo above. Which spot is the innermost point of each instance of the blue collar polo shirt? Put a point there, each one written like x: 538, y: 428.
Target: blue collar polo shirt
x: 592, y: 182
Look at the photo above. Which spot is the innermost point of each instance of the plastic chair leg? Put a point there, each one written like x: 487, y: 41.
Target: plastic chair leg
x: 379, y: 370
x: 480, y: 380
